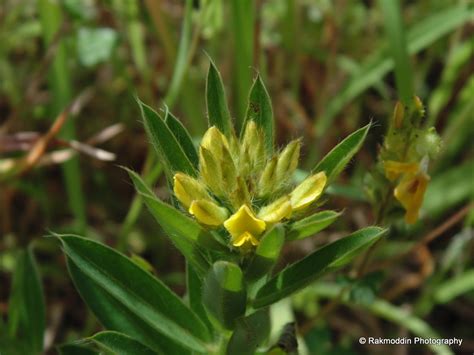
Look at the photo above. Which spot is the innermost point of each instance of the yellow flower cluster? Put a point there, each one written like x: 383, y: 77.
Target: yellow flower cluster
x: 241, y: 188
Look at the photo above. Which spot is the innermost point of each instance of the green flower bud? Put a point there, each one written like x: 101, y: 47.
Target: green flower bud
x: 210, y: 171
x: 276, y: 211
x: 287, y: 162
x: 308, y: 191
x: 214, y: 141
x: 188, y: 189
x: 240, y: 195
x: 228, y: 169
x: 398, y: 115
x: 208, y: 213
x: 267, y: 180
x: 252, y: 153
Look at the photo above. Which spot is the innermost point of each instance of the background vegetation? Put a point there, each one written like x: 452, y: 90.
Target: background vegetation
x: 330, y: 68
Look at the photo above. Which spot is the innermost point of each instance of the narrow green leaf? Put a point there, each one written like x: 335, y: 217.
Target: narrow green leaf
x: 455, y: 287
x: 137, y: 291
x: 224, y: 294
x: 26, y: 310
x: 183, y: 137
x: 311, y: 225
x: 260, y: 110
x: 114, y: 316
x: 243, y: 23
x: 420, y: 36
x: 305, y: 271
x: 266, y: 254
x: 166, y: 145
x: 122, y: 344
x: 216, y: 101
x: 194, y: 289
x: 337, y: 159
x: 185, y: 233
x: 249, y: 333
x: 398, y: 47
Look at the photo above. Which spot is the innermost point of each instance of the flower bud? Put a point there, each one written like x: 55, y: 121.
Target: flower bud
x: 287, y: 162
x: 276, y: 211
x: 398, y: 115
x: 266, y: 183
x: 208, y: 213
x: 210, y: 171
x: 188, y: 189
x: 228, y: 169
x: 410, y: 193
x: 418, y: 106
x: 308, y: 191
x: 240, y: 195
x: 215, y: 142
x: 252, y: 151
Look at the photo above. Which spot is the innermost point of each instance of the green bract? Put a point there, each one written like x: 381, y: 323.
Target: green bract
x: 235, y: 207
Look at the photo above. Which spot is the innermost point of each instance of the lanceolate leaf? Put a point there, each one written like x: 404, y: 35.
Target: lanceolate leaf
x: 26, y: 310
x: 137, y: 291
x: 305, y: 271
x: 167, y: 146
x: 260, y: 110
x: 122, y: 344
x: 311, y: 225
x: 187, y: 235
x: 249, y: 333
x: 114, y: 316
x: 337, y: 159
x: 217, y: 109
x: 183, y: 137
x: 224, y: 294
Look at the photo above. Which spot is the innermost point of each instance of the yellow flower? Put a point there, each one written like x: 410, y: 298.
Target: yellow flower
x: 276, y: 211
x: 188, y: 189
x: 208, y: 213
x: 244, y: 227
x: 393, y: 169
x: 308, y: 191
x: 409, y: 192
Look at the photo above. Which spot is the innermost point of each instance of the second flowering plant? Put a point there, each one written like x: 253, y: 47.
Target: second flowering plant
x: 234, y: 205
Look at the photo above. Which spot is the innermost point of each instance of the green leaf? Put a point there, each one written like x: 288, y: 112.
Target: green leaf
x: 266, y: 254
x: 113, y: 316
x: 137, y: 291
x: 455, y: 287
x: 194, y: 294
x: 26, y: 310
x: 260, y: 111
x: 311, y: 225
x: 224, y: 294
x: 337, y: 159
x: 122, y: 344
x: 249, y: 333
x: 75, y: 349
x: 305, y: 271
x: 217, y: 110
x: 166, y: 145
x: 420, y: 36
x: 183, y: 137
x: 185, y: 233
x: 398, y: 47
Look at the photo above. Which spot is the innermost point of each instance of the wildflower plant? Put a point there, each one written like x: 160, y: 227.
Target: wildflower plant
x: 234, y: 205
x: 402, y: 173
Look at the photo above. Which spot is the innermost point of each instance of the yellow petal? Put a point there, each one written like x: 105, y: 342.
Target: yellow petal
x: 244, y: 221
x: 410, y: 192
x: 393, y: 169
x: 276, y: 211
x: 208, y: 213
x: 308, y: 191
x: 188, y: 189
x: 244, y: 239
